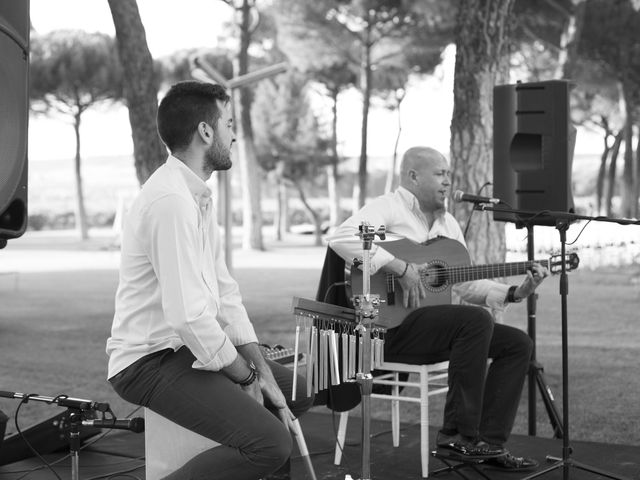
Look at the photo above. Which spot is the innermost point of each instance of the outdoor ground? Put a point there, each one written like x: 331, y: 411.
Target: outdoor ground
x: 56, y: 298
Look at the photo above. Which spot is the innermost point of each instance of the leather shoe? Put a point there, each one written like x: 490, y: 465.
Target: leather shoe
x: 511, y: 463
x: 468, y: 447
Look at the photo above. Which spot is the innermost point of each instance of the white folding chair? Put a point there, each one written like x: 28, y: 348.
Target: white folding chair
x: 432, y: 380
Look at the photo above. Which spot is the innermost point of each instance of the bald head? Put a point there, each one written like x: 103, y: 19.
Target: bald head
x: 417, y: 159
x: 425, y: 172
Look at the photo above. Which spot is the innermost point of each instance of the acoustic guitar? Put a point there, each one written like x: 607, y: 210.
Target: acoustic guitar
x: 445, y: 262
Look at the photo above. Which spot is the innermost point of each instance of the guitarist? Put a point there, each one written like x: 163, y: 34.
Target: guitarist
x: 480, y: 407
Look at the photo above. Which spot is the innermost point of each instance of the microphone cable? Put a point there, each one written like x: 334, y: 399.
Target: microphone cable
x: 466, y: 228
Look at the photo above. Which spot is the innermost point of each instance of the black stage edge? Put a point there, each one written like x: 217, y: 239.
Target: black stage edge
x: 124, y: 452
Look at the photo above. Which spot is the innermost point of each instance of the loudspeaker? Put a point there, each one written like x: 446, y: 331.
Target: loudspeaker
x: 49, y: 436
x: 14, y: 117
x: 533, y: 143
x: 3, y: 426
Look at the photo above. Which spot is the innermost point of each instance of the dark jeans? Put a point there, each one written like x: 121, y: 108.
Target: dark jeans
x: 253, y: 441
x: 478, y: 404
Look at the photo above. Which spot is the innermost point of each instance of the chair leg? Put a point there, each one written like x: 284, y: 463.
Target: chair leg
x: 342, y: 433
x: 424, y: 422
x: 395, y: 412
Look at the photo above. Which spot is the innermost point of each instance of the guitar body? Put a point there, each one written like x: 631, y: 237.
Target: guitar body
x: 443, y: 263
x: 438, y: 255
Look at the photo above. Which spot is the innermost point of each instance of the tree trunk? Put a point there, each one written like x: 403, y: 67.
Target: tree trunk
x: 602, y: 172
x: 251, y: 208
x: 315, y: 216
x: 637, y: 177
x: 281, y: 220
x: 360, y: 193
x: 392, y: 178
x: 611, y: 178
x: 628, y: 177
x: 482, y: 38
x: 570, y: 39
x: 332, y: 169
x: 140, y: 88
x: 81, y: 213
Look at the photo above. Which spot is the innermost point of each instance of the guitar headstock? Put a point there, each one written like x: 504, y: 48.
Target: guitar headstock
x: 571, y: 262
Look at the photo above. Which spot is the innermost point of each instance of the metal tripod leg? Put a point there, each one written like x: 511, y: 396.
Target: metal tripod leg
x: 537, y: 370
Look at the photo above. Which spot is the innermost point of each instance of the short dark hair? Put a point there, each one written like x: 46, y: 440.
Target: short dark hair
x: 185, y: 105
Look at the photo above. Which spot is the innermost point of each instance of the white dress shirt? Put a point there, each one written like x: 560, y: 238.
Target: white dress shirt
x: 400, y: 213
x: 174, y: 287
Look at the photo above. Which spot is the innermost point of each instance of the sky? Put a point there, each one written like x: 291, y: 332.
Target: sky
x: 170, y: 26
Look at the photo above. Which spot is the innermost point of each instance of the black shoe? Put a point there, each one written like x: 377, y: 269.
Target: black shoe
x: 467, y: 447
x: 511, y: 463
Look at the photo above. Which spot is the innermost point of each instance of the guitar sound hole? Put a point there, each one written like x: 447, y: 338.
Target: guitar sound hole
x: 435, y: 276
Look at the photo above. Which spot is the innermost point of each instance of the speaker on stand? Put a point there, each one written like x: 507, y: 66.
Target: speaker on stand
x: 14, y: 117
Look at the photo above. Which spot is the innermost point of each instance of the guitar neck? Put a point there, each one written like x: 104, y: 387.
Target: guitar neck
x: 468, y: 273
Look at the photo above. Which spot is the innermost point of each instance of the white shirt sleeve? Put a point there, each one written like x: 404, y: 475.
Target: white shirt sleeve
x: 175, y: 252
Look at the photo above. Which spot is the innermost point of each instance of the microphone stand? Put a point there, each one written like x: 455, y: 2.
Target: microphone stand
x: 562, y: 223
x: 76, y: 408
x: 366, y: 307
x: 536, y: 370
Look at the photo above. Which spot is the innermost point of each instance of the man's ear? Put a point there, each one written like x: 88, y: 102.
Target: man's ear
x: 203, y: 131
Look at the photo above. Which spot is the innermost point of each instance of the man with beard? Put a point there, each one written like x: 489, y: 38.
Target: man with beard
x: 181, y: 342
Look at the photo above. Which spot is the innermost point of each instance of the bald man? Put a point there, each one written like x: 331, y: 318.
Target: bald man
x: 481, y: 406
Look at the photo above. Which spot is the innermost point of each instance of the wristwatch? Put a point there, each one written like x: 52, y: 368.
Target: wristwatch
x: 511, y: 295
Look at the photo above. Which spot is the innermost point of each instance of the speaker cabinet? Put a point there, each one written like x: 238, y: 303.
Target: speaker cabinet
x: 14, y: 117
x: 533, y: 143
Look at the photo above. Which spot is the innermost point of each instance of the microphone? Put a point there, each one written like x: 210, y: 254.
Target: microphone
x: 460, y: 196
x: 135, y: 424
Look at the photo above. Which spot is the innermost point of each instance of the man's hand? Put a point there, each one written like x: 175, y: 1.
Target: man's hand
x: 266, y: 388
x: 255, y: 391
x: 534, y: 278
x: 412, y: 287
x: 274, y: 395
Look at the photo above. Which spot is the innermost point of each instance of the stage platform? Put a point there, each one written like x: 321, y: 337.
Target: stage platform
x: 120, y: 454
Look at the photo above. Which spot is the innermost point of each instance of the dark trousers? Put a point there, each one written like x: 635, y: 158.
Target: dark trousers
x: 479, y: 403
x: 253, y: 440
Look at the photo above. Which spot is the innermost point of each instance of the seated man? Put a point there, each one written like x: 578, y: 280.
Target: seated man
x: 181, y: 342
x: 480, y: 407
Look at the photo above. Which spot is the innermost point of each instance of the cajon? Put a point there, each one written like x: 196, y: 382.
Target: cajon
x: 168, y: 446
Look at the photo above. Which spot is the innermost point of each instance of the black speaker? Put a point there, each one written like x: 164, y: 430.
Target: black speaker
x: 533, y: 143
x: 3, y: 426
x: 14, y: 117
x: 49, y: 436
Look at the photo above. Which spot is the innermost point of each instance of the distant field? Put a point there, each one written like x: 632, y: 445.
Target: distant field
x: 52, y: 184
x: 109, y: 181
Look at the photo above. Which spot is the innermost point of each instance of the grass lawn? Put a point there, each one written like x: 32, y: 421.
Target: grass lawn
x: 53, y: 327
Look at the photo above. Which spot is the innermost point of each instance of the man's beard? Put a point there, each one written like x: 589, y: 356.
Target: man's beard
x: 217, y: 157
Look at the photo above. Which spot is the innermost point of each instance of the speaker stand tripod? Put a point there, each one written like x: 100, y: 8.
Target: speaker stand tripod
x: 566, y: 462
